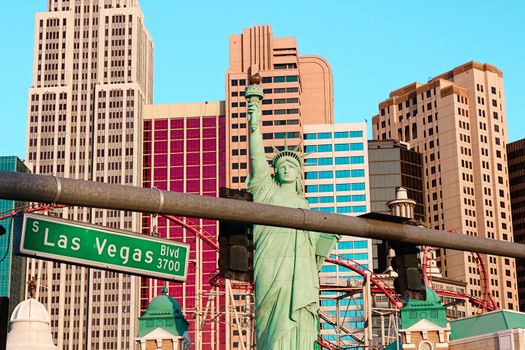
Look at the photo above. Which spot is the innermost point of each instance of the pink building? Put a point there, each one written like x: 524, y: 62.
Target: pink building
x: 184, y: 151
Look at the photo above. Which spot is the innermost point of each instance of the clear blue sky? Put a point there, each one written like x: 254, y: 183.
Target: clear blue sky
x: 373, y: 47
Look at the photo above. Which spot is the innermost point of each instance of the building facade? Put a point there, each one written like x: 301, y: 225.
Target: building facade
x: 298, y: 91
x: 336, y: 181
x: 458, y: 122
x: 12, y: 267
x: 394, y: 164
x: 516, y: 165
x: 92, y: 75
x: 184, y: 151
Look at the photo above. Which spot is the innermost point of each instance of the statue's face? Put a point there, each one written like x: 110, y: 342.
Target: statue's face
x: 286, y: 172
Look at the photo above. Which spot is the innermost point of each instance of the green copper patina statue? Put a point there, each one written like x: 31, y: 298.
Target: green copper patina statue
x: 287, y: 261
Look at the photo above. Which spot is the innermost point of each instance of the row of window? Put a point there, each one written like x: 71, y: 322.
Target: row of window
x: 280, y: 135
x: 337, y: 135
x: 352, y: 245
x: 339, y: 174
x: 343, y: 210
x: 280, y: 101
x: 359, y: 186
x: 269, y: 91
x: 340, y: 199
x: 276, y: 79
x: 338, y: 160
x: 338, y: 147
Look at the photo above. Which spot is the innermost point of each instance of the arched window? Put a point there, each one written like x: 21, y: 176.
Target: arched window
x: 425, y: 346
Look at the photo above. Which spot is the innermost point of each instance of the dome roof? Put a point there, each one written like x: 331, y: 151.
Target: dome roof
x: 163, y: 305
x: 30, y: 310
x: 163, y: 312
x: 30, y: 327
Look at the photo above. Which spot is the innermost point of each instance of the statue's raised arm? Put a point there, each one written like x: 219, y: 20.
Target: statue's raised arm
x: 258, y: 164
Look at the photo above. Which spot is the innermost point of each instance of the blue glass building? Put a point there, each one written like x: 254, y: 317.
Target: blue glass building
x: 12, y: 268
x: 337, y: 181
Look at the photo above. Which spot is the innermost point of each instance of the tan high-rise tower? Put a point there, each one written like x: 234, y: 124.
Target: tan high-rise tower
x: 298, y: 90
x: 92, y: 74
x: 458, y: 122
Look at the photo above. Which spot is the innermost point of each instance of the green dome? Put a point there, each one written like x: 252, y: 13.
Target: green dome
x: 163, y: 312
x: 430, y: 309
x: 163, y: 305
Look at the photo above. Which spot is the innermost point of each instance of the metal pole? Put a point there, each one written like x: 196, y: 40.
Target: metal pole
x: 51, y: 189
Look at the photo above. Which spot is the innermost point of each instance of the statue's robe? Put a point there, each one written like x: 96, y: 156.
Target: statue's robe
x: 285, y: 274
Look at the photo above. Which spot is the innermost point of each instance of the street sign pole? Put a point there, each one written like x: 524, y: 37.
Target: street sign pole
x: 55, y: 239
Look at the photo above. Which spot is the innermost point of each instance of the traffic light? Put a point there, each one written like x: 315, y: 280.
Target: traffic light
x: 406, y: 262
x: 236, y: 243
x: 409, y: 282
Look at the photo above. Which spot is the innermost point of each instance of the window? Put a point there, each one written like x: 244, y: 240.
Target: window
x: 324, y: 148
x: 342, y: 160
x: 326, y: 174
x: 292, y: 78
x: 267, y: 79
x: 359, y: 186
x: 343, y: 187
x: 343, y: 199
x: 358, y: 133
x: 326, y: 199
x: 358, y: 146
x: 341, y: 174
x: 359, y: 198
x: 341, y: 134
x: 326, y: 188
x: 324, y: 135
x: 357, y: 160
x: 310, y: 161
x: 325, y: 161
x: 279, y: 79
x: 312, y: 188
x: 310, y: 148
x: 360, y: 244
x: 311, y: 175
x: 341, y: 147
x: 358, y: 173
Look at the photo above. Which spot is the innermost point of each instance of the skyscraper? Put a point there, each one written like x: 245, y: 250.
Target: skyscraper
x: 457, y: 121
x: 184, y: 151
x: 12, y: 267
x: 92, y: 75
x: 516, y: 164
x: 336, y: 181
x: 298, y: 90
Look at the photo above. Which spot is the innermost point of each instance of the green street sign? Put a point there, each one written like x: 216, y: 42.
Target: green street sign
x: 79, y: 243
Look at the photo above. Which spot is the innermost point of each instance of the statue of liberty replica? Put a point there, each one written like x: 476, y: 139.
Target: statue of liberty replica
x: 286, y: 261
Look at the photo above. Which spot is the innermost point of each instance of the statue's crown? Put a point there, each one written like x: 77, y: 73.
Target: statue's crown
x: 288, y: 154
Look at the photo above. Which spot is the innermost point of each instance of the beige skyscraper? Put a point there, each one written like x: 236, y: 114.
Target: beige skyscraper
x: 92, y: 74
x: 458, y: 122
x: 298, y: 90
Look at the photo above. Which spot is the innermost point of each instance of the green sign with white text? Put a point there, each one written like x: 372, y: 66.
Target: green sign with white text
x: 95, y: 246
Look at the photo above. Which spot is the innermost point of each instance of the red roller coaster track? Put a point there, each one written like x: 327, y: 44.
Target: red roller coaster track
x: 486, y: 303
